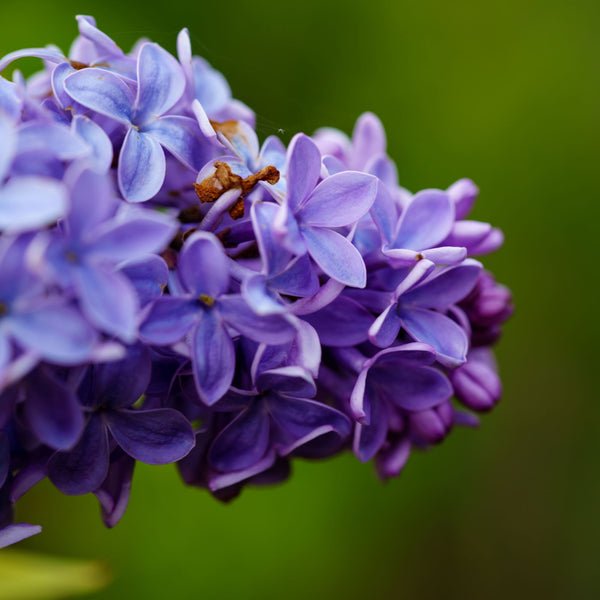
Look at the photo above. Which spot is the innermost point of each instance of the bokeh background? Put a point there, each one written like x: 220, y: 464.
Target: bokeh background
x: 507, y: 93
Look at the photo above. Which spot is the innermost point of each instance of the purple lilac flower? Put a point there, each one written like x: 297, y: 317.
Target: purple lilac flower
x: 264, y: 304
x: 160, y: 85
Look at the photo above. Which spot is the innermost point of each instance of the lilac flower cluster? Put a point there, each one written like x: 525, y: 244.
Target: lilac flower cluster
x: 173, y: 291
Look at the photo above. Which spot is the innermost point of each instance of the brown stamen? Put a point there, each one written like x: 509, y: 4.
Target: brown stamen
x: 224, y: 179
x: 78, y: 65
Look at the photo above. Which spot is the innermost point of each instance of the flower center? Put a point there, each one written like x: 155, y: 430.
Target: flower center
x: 206, y: 300
x: 3, y: 309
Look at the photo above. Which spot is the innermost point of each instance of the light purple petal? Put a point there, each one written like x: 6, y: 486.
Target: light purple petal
x: 16, y: 533
x: 47, y: 54
x: 303, y: 169
x: 213, y: 358
x: 156, y: 437
x: 149, y: 275
x: 448, y: 339
x: 336, y: 256
x: 273, y: 329
x: 426, y: 221
x: 103, y: 43
x: 445, y: 255
x: 55, y: 138
x: 260, y: 298
x: 169, y: 320
x: 103, y: 92
x: 101, y: 151
x: 463, y: 194
x: 56, y: 332
x: 384, y: 213
x: 203, y: 266
x: 142, y: 166
x: 160, y: 83
x: 82, y: 469
x: 92, y: 202
x: 180, y: 136
x: 8, y: 135
x: 340, y: 200
x: 108, y: 300
x: 133, y: 239
x: 448, y: 287
x: 30, y: 202
x: 243, y: 442
x: 274, y: 257
x: 368, y: 140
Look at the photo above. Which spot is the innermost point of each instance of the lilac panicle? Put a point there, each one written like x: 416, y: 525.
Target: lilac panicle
x: 174, y: 291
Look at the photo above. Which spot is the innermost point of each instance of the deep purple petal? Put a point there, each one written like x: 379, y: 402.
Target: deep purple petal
x: 301, y: 420
x: 448, y: 339
x: 169, y: 319
x: 243, y: 442
x: 160, y: 83
x: 120, y: 383
x: 4, y: 458
x: 297, y: 279
x: 384, y: 331
x: 114, y: 492
x: 336, y: 256
x: 84, y: 468
x: 102, y: 91
x: 294, y: 381
x: 273, y: 328
x: 426, y: 221
x: 303, y: 169
x: 142, y: 166
x: 343, y: 322
x: 213, y: 358
x: 340, y: 200
x: 203, y: 266
x: 157, y: 437
x: 411, y: 387
x: 368, y: 439
x: 391, y: 460
x: 52, y: 411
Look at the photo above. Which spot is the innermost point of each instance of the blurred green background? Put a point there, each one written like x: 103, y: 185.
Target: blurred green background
x: 506, y: 93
